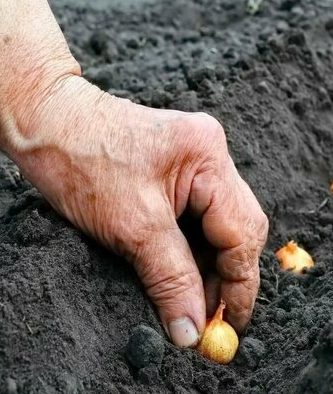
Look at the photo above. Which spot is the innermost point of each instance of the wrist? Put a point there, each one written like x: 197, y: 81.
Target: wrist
x: 49, y: 139
x: 41, y: 117
x: 21, y: 99
x: 33, y: 57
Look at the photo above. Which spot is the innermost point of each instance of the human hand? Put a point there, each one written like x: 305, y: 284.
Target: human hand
x: 124, y: 173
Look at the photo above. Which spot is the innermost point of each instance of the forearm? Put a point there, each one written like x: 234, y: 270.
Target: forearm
x: 33, y: 57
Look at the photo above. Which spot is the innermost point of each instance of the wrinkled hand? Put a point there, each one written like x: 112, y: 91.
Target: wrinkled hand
x: 124, y: 173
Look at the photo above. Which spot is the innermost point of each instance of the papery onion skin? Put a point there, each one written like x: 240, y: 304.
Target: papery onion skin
x: 293, y: 258
x: 219, y: 342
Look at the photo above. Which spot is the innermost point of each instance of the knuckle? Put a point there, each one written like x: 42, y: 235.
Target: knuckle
x: 205, y: 125
x: 203, y: 135
x: 240, y: 263
x: 211, y: 126
x: 209, y: 120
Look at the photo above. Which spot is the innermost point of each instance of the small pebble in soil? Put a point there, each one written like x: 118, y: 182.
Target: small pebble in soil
x: 282, y: 26
x: 263, y: 87
x: 250, y: 352
x: 145, y: 347
x: 297, y: 11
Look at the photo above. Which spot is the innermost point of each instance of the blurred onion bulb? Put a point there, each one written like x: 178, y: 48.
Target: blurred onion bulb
x: 219, y: 341
x: 293, y: 258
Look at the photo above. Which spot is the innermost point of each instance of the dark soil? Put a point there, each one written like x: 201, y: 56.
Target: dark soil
x: 68, y: 307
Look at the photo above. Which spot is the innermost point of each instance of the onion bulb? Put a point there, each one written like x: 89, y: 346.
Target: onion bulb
x: 293, y: 258
x: 219, y: 341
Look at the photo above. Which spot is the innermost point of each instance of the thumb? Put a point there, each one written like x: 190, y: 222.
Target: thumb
x: 172, y: 280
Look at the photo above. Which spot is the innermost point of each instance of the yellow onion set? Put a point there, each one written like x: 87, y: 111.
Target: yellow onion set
x: 219, y: 342
x: 293, y: 258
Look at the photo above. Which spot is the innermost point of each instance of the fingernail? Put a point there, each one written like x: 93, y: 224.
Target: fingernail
x: 183, y: 332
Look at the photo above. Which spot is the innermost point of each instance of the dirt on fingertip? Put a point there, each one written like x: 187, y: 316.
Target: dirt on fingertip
x: 68, y: 307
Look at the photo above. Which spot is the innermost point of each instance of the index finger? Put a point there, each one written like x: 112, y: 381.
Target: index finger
x: 234, y: 223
